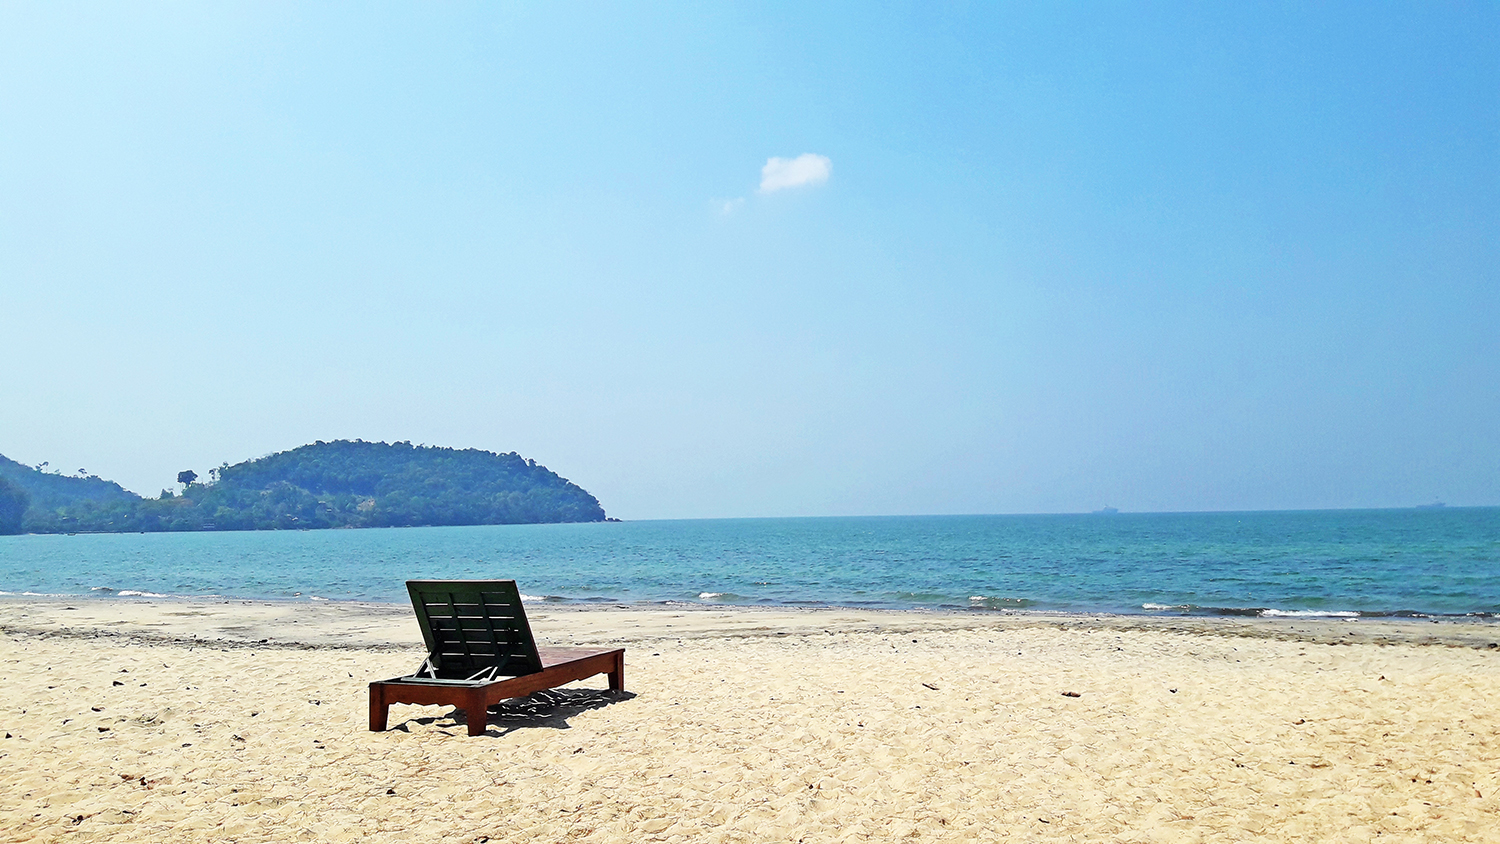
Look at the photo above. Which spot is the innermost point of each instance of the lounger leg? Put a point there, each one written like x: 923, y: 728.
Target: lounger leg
x: 617, y: 676
x: 477, y: 713
x: 379, y: 709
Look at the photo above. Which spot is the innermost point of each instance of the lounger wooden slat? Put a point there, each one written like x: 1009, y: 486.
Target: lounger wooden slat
x: 480, y: 651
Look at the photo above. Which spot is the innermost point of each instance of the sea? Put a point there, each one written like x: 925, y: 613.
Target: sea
x: 1429, y: 562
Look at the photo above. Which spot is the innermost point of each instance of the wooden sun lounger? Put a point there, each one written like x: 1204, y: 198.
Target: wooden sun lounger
x: 480, y: 651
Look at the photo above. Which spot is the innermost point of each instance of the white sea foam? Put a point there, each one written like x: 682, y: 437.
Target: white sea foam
x: 709, y: 596
x: 316, y: 598
x: 532, y: 598
x: 136, y: 593
x: 1159, y: 607
x: 1308, y: 614
x: 997, y: 603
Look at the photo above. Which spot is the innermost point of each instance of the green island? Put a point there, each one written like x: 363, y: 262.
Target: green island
x: 340, y: 484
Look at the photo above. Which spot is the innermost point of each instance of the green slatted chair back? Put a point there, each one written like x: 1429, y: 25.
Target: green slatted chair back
x: 475, y: 630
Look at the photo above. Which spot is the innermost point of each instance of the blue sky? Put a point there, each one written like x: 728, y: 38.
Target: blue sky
x: 1042, y: 257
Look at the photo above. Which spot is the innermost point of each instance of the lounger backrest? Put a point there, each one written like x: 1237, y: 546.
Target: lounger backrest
x: 470, y: 625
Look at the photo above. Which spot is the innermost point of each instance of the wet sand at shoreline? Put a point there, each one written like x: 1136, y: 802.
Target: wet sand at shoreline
x: 245, y: 721
x: 365, y: 625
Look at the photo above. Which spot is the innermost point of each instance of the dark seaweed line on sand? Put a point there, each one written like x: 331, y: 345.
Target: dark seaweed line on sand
x: 1469, y: 636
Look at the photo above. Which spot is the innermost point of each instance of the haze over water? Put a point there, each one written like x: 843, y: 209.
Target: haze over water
x: 1372, y: 562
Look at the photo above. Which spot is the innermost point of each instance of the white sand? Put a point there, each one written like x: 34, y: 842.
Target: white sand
x: 750, y: 726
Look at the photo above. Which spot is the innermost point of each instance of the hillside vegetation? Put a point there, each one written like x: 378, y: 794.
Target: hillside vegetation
x: 324, y: 485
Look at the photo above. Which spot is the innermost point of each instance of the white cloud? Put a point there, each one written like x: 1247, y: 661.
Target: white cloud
x: 805, y: 169
x: 728, y: 206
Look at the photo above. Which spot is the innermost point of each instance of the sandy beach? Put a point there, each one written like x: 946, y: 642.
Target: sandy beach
x: 242, y: 721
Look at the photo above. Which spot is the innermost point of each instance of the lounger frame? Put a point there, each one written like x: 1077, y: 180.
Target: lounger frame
x: 474, y: 631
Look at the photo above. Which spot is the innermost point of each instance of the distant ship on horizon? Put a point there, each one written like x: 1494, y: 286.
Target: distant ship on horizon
x: 1436, y: 505
x: 1106, y: 511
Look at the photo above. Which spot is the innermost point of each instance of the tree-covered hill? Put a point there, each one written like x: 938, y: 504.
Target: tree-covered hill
x: 13, y: 504
x: 336, y: 484
x: 49, y: 490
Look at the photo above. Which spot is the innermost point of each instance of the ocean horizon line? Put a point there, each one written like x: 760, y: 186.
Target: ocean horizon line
x: 1113, y: 512
x: 1370, y: 563
x: 1438, y: 507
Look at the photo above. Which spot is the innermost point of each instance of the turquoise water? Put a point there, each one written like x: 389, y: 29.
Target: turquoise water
x: 1378, y: 562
